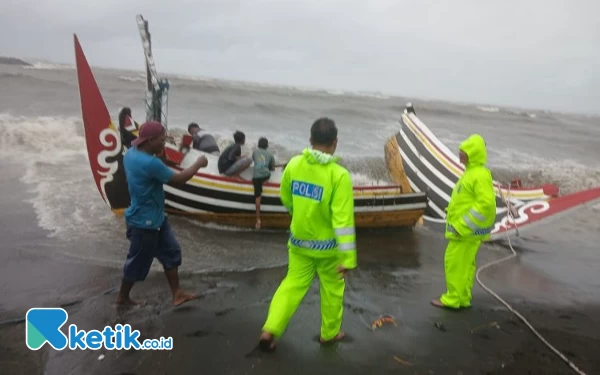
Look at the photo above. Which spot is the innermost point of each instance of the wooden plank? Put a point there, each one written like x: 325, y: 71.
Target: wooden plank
x: 395, y: 166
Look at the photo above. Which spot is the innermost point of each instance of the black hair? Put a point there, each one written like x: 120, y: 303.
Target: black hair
x: 192, y: 125
x: 323, y: 132
x: 126, y: 111
x: 239, y: 137
x: 263, y: 143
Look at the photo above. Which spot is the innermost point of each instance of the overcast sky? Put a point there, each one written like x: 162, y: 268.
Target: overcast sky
x: 529, y: 53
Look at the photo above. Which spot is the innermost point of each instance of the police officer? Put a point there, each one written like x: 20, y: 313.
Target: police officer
x: 470, y: 220
x: 318, y: 194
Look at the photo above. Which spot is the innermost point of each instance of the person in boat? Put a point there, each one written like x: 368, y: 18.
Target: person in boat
x: 264, y: 163
x: 148, y: 229
x: 470, y: 218
x: 126, y: 127
x: 202, y: 140
x: 231, y: 162
x: 318, y: 194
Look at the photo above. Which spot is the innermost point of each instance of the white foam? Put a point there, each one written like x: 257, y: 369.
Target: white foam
x: 54, y: 157
x: 361, y: 179
x: 141, y: 78
x: 49, y: 66
x: 488, y: 109
x: 569, y: 175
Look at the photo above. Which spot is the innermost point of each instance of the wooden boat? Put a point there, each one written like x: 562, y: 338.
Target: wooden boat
x: 419, y: 162
x: 209, y: 196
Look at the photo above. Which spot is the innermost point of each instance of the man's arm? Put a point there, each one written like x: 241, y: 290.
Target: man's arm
x: 235, y: 153
x: 272, y: 163
x: 189, y: 172
x: 342, y: 208
x: 285, y: 191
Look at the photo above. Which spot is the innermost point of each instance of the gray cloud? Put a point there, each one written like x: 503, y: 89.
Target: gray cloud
x: 533, y: 54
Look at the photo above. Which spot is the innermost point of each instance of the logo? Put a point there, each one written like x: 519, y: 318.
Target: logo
x: 307, y: 190
x: 43, y: 325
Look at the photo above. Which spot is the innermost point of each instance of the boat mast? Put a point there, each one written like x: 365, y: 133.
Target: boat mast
x: 157, y: 90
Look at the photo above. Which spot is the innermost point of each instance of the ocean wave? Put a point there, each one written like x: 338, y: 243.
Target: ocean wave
x: 488, y: 109
x: 569, y: 175
x: 53, y: 154
x: 49, y: 66
x: 140, y: 78
x: 24, y: 79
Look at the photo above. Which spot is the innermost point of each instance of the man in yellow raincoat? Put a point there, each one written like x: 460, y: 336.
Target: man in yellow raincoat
x: 470, y: 219
x: 318, y: 194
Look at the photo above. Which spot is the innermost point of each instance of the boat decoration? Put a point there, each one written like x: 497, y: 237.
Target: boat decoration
x: 418, y: 161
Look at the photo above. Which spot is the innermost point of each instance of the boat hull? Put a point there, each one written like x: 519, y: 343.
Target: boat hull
x: 418, y: 161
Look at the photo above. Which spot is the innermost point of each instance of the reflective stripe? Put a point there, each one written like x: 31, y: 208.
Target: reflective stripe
x: 476, y: 232
x: 344, y: 231
x: 483, y: 232
x: 347, y: 246
x: 477, y: 215
x: 313, y: 244
x: 469, y: 223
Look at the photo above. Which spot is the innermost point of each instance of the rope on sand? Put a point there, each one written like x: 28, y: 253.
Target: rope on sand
x: 514, y: 254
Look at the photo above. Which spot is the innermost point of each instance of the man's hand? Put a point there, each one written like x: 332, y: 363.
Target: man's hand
x: 186, y: 174
x: 342, y: 271
x: 201, y: 162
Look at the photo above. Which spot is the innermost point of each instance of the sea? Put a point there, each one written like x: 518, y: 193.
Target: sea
x: 42, y: 142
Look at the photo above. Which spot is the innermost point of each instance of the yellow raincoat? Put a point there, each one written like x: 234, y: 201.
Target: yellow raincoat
x: 318, y: 194
x: 470, y: 219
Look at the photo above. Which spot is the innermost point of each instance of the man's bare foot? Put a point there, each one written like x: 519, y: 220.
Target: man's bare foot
x: 182, y: 297
x: 339, y: 337
x: 266, y: 342
x: 129, y: 302
x: 257, y: 226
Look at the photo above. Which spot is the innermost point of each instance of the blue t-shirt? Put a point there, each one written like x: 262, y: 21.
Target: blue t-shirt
x: 146, y: 175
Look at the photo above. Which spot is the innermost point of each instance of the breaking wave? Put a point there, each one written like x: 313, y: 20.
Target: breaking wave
x: 49, y: 66
x: 488, y: 109
x: 140, y: 78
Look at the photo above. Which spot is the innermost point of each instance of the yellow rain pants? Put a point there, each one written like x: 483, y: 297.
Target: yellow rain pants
x: 302, y: 266
x: 459, y: 266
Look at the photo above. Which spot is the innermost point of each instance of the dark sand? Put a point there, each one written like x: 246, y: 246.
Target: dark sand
x: 218, y: 333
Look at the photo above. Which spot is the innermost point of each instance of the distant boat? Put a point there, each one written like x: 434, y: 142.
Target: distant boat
x: 418, y: 161
x: 209, y: 196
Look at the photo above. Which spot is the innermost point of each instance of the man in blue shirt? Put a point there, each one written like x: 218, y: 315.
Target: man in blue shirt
x: 148, y: 229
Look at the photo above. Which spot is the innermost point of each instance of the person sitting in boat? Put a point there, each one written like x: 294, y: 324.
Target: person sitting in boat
x: 202, y: 140
x: 126, y: 127
x: 231, y: 162
x: 264, y: 163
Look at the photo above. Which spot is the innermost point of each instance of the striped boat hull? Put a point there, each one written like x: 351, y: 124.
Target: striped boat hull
x: 419, y: 162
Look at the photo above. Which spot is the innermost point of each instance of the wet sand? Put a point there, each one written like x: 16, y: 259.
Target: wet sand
x: 399, y: 274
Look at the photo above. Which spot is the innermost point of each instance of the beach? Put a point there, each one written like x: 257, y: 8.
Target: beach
x: 61, y: 245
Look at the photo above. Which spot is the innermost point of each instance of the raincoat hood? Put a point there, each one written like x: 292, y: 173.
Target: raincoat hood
x: 474, y: 147
x: 317, y: 157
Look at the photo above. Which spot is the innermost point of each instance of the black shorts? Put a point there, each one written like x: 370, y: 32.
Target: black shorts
x: 258, y: 185
x: 147, y: 244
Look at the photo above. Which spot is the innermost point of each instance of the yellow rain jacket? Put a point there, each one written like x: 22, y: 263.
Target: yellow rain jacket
x: 318, y: 194
x: 471, y: 212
